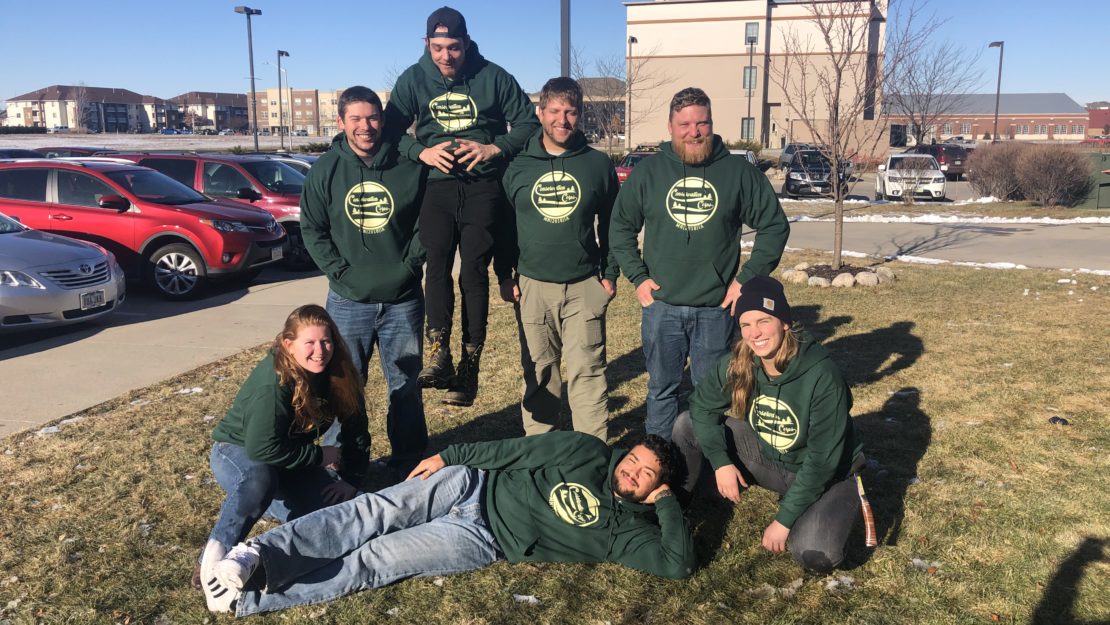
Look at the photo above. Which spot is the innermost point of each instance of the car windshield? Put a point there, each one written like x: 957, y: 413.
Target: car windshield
x: 154, y: 186
x: 632, y: 159
x: 9, y: 225
x: 913, y: 163
x: 276, y: 176
x: 811, y: 158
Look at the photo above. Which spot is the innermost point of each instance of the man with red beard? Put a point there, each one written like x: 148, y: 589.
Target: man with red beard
x: 691, y: 200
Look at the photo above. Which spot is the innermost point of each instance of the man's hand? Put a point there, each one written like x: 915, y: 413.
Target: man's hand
x: 729, y: 482
x: 653, y: 495
x: 331, y: 457
x: 610, y: 287
x: 643, y: 292
x: 473, y: 152
x: 337, y: 492
x: 774, y: 537
x: 731, y: 296
x: 438, y: 156
x: 427, y: 467
x: 510, y: 291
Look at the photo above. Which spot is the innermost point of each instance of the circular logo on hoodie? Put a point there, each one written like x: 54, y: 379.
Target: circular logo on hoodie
x: 574, y: 503
x: 774, y: 421
x: 555, y: 195
x: 369, y: 206
x: 691, y: 202
x: 454, y: 111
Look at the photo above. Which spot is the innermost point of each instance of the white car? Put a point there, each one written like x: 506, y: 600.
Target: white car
x: 910, y: 175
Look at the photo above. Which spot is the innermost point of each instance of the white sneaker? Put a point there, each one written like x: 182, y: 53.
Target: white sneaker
x: 217, y: 596
x: 237, y: 566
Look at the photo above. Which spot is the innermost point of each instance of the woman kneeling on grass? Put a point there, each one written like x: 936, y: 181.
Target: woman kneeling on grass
x: 266, y: 456
x: 798, y: 439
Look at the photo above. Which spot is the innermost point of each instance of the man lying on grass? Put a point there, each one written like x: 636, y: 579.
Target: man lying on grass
x: 556, y: 497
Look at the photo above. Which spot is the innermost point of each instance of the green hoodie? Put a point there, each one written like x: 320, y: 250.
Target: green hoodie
x: 261, y: 421
x: 557, y: 199
x: 549, y: 498
x: 360, y: 223
x: 692, y: 216
x: 801, y: 418
x: 474, y: 105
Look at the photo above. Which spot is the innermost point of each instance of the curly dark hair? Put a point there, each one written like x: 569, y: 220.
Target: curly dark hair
x: 690, y: 96
x: 672, y: 466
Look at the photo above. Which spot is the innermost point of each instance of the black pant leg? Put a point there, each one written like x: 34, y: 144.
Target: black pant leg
x: 439, y: 235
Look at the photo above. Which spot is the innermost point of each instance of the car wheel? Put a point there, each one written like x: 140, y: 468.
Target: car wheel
x: 177, y: 271
x: 297, y: 257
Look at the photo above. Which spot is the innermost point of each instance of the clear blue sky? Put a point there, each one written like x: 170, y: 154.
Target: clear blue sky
x: 167, y: 49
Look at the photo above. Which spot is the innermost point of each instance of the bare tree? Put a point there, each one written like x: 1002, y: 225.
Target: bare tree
x: 80, y: 107
x: 613, y: 82
x: 833, y: 74
x: 929, y: 86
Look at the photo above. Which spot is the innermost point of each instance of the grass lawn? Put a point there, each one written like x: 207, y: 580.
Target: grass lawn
x: 955, y: 373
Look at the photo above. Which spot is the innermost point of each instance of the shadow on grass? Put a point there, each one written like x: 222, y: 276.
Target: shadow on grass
x: 1058, y: 601
x: 865, y: 358
x: 895, y: 438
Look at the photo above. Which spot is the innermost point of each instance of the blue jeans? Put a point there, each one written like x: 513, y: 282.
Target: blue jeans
x: 670, y: 334
x: 395, y: 328
x: 255, y: 489
x: 414, y: 529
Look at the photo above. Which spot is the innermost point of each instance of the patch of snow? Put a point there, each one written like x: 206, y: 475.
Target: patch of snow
x: 527, y: 600
x: 996, y: 265
x: 958, y: 219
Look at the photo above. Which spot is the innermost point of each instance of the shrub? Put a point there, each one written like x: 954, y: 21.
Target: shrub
x: 1054, y: 175
x: 319, y: 146
x: 238, y: 149
x: 745, y: 144
x: 992, y: 170
x: 986, y: 135
x: 22, y: 130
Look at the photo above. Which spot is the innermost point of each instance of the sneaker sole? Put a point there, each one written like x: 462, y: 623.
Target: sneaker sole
x: 457, y: 402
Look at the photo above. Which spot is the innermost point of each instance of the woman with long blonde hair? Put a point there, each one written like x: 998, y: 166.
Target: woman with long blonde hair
x: 271, y: 455
x: 775, y: 413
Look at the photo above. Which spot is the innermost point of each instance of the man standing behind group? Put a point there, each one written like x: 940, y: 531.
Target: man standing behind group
x: 691, y: 200
x: 359, y: 212
x: 461, y: 103
x: 565, y: 277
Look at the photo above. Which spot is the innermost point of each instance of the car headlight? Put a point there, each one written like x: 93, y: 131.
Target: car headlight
x: 18, y: 278
x: 938, y: 180
x: 796, y: 175
x: 224, y: 225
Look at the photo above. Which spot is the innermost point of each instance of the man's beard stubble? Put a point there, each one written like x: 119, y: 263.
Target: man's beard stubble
x: 693, y: 154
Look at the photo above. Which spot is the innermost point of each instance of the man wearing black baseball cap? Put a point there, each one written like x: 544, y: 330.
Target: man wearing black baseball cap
x: 462, y: 105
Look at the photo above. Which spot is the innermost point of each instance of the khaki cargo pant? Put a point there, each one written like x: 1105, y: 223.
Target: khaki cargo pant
x: 563, y: 321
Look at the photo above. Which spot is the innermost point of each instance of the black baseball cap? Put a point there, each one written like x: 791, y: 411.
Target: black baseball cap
x: 450, y: 18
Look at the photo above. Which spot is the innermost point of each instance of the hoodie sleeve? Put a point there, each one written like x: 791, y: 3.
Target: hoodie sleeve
x: 415, y: 254
x: 666, y: 550
x: 519, y: 113
x: 828, y: 429
x: 506, y: 250
x: 625, y: 226
x: 609, y: 268
x: 530, y: 452
x: 316, y: 223
x: 708, y: 404
x: 399, y: 115
x: 763, y: 214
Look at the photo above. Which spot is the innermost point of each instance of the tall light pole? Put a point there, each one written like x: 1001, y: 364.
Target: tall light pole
x: 564, y: 38
x: 1001, y: 45
x: 245, y: 10
x: 750, y: 86
x: 281, y: 112
x: 628, y: 87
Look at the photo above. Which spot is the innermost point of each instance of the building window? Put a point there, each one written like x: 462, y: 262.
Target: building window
x: 273, y: 102
x: 297, y: 100
x: 946, y: 128
x: 965, y: 129
x: 1078, y: 130
x: 273, y: 114
x: 747, y: 128
x: 1061, y: 129
x: 749, y: 78
x: 1040, y: 129
x: 308, y: 100
x: 751, y: 33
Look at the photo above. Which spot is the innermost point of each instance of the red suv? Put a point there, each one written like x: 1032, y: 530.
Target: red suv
x: 159, y: 229
x: 260, y: 180
x: 951, y: 158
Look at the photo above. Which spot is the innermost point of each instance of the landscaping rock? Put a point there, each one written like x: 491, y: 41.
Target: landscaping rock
x: 885, y: 274
x: 867, y: 279
x: 816, y: 281
x: 844, y: 280
x: 795, y: 276
x: 801, y: 266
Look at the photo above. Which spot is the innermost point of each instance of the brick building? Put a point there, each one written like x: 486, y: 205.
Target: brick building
x: 1021, y: 116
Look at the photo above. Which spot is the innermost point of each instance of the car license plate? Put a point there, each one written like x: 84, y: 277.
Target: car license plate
x: 958, y: 162
x: 276, y: 253
x: 93, y: 299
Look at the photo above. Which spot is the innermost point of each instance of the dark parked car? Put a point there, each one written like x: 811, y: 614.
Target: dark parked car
x: 18, y: 153
x: 808, y: 174
x: 71, y: 151
x: 951, y: 158
x: 158, y: 228
x: 788, y: 153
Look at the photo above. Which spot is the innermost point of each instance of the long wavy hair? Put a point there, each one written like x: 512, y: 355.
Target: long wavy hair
x: 345, y: 385
x: 741, y: 369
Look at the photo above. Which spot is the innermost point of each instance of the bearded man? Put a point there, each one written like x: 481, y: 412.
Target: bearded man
x: 691, y: 200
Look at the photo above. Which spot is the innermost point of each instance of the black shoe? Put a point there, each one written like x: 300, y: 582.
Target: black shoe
x: 440, y: 370
x: 464, y: 386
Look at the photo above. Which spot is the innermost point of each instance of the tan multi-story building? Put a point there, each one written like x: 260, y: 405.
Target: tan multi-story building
x: 212, y: 110
x: 93, y: 109
x: 310, y: 110
x: 734, y: 50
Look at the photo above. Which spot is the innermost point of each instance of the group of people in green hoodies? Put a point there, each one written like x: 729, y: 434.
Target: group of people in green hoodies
x: 490, y: 176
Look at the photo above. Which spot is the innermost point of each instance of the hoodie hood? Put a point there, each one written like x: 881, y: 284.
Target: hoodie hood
x: 716, y: 153
x: 384, y: 156
x: 535, y: 148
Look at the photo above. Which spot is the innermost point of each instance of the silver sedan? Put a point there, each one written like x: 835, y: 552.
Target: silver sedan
x: 46, y: 279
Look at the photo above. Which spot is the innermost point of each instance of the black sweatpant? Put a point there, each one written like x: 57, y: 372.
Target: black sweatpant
x: 460, y: 214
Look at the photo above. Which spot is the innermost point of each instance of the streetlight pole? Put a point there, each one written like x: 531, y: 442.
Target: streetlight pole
x: 281, y: 112
x: 564, y: 38
x: 628, y: 87
x: 245, y: 10
x: 750, y: 86
x: 1001, y: 45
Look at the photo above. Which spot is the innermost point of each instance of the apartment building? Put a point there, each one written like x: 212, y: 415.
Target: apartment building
x: 310, y: 110
x: 212, y: 110
x: 1021, y: 116
x: 735, y: 50
x: 95, y: 109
